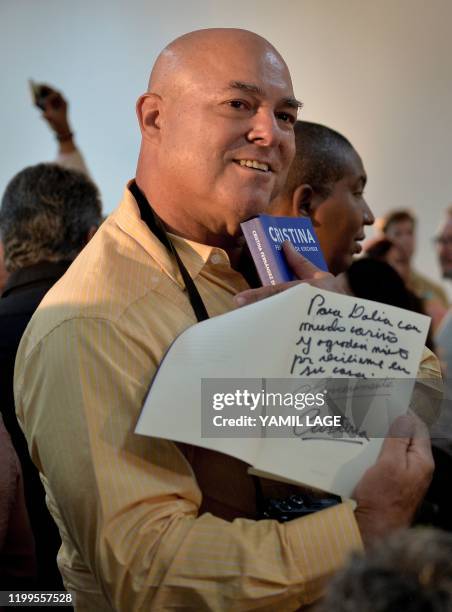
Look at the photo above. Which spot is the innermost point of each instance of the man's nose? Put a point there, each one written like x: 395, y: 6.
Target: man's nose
x: 265, y: 130
x: 368, y: 215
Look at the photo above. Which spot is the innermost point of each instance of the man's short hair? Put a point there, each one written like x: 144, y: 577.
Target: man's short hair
x: 409, y: 571
x: 321, y: 159
x: 396, y: 216
x: 46, y: 214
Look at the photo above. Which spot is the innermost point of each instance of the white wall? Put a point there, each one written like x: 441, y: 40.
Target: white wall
x: 380, y: 71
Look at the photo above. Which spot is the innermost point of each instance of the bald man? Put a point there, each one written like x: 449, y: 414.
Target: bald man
x: 145, y: 523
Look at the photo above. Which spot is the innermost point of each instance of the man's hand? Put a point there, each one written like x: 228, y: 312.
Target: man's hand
x: 55, y: 113
x: 390, y: 491
x: 303, y: 269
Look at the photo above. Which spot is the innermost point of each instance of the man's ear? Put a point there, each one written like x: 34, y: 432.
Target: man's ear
x: 302, y: 201
x: 149, y: 112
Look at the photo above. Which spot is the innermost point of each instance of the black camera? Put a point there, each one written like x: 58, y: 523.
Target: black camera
x: 294, y: 506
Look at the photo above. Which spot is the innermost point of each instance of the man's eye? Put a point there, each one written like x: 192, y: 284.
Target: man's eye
x: 237, y: 104
x: 286, y: 117
x: 359, y: 194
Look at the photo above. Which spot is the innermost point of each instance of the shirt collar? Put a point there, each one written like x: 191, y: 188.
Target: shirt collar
x: 194, y: 255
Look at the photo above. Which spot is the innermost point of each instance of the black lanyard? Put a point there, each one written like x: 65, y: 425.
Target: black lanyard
x: 155, y: 224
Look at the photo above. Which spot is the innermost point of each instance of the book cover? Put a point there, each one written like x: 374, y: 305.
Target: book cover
x: 265, y: 234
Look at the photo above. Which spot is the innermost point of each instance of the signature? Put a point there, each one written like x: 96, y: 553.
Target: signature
x: 330, y: 433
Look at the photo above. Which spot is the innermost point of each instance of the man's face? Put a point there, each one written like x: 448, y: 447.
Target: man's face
x: 339, y: 220
x: 444, y: 247
x: 402, y: 234
x: 235, y: 111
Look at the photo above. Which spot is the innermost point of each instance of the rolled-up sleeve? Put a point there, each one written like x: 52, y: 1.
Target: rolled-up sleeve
x: 73, y: 161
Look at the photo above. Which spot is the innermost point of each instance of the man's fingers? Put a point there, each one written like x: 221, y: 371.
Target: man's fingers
x: 420, y: 446
x: 300, y: 266
x: 403, y: 427
x: 254, y: 295
x: 407, y: 440
x: 50, y: 99
x: 54, y: 103
x: 398, y: 439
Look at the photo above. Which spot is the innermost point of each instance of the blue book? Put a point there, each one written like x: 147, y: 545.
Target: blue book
x: 265, y: 234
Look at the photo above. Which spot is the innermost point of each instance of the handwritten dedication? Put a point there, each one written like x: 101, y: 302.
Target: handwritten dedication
x: 302, y: 386
x: 343, y: 336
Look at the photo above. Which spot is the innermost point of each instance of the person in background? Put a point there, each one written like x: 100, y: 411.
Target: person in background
x: 443, y: 340
x: 47, y: 215
x: 17, y: 547
x: 55, y: 114
x: 369, y: 278
x: 3, y: 272
x: 326, y: 183
x: 409, y: 571
x: 373, y: 278
x: 400, y: 227
x: 444, y: 334
x: 443, y: 241
x: 438, y: 498
x: 383, y: 249
x: 149, y: 524
x: 69, y: 156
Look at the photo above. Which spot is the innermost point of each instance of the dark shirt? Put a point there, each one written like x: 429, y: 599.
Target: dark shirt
x: 17, y: 547
x: 22, y: 294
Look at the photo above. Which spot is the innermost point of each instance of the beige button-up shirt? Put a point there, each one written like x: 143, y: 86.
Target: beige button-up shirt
x: 145, y: 523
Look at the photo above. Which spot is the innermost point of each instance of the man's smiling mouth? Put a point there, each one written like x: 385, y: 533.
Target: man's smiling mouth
x: 254, y: 164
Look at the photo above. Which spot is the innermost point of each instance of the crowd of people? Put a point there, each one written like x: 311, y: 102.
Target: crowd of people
x: 89, y: 308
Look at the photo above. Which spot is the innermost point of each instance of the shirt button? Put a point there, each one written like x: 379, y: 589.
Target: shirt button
x: 216, y: 258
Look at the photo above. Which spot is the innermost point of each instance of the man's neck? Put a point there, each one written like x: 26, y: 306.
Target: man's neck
x: 184, y: 225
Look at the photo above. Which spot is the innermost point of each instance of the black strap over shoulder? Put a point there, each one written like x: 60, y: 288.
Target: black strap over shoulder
x: 155, y: 224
